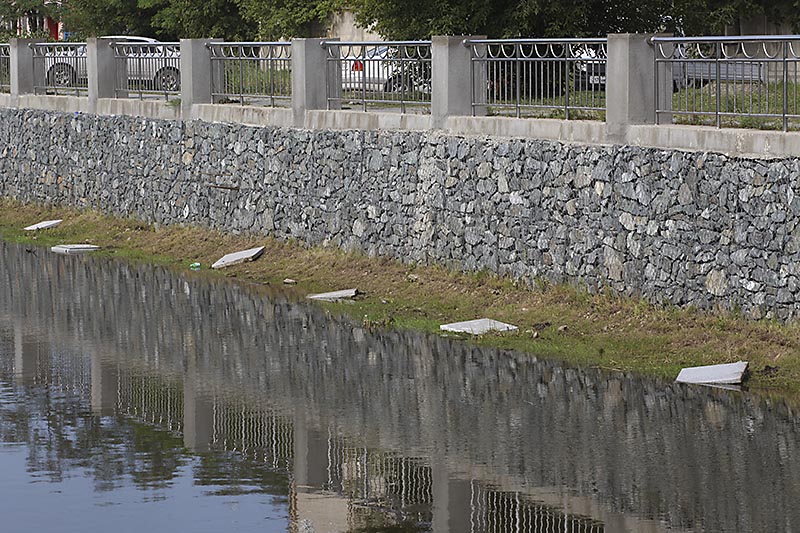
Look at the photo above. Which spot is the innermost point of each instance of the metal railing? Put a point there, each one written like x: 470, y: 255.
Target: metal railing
x: 59, y: 68
x: 558, y: 78
x: 5, y: 68
x: 147, y: 69
x: 393, y: 75
x: 252, y: 73
x: 737, y: 81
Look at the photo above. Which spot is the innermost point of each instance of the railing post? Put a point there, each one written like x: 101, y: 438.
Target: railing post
x: 196, y: 74
x: 452, y: 80
x: 630, y: 79
x: 22, y: 76
x: 314, y: 78
x: 100, y: 69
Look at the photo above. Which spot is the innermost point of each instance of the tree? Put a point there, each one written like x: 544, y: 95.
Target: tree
x: 93, y: 18
x: 11, y: 13
x: 277, y: 19
x: 415, y: 19
x: 190, y: 19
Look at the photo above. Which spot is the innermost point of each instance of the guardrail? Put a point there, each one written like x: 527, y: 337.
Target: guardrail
x: 59, y: 68
x: 386, y: 74
x: 559, y: 78
x: 252, y: 73
x: 5, y: 68
x: 147, y: 69
x: 740, y: 81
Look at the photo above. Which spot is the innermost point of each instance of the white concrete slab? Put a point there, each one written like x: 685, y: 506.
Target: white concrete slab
x: 477, y: 327
x: 72, y: 249
x: 728, y: 374
x: 238, y: 257
x: 47, y: 224
x: 334, y: 296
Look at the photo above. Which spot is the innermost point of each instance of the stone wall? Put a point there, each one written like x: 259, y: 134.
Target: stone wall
x: 686, y: 228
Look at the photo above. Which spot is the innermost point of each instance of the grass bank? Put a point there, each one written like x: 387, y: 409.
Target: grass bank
x: 556, y: 321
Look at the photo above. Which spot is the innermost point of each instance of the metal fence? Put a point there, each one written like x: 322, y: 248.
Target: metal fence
x: 741, y: 81
x: 147, y: 69
x: 5, y: 68
x: 393, y: 75
x: 59, y: 68
x: 558, y: 78
x: 252, y: 73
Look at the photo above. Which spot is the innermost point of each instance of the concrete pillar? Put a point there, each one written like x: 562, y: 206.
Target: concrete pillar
x: 100, y: 69
x: 310, y: 70
x: 196, y: 74
x: 22, y: 73
x: 630, y: 84
x: 452, y: 82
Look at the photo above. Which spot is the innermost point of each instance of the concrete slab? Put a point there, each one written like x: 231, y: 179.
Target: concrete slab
x: 47, y: 224
x: 477, y: 327
x: 334, y: 296
x: 72, y: 249
x: 238, y: 257
x: 727, y: 374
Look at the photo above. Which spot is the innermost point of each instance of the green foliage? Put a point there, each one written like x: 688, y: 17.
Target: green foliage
x: 398, y: 19
x: 12, y: 12
x: 190, y: 19
x: 94, y: 18
x: 289, y: 18
x: 414, y: 19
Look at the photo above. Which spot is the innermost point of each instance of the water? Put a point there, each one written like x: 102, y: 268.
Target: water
x: 136, y: 399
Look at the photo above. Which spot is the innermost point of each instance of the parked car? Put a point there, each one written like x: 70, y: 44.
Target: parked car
x: 378, y: 70
x: 591, y: 74
x: 154, y: 64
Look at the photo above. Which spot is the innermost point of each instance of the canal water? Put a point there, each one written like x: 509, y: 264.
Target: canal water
x: 134, y: 398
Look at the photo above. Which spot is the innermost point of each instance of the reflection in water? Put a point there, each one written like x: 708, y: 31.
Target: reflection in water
x: 135, y: 375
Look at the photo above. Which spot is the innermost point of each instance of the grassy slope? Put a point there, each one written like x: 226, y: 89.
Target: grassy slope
x: 560, y: 321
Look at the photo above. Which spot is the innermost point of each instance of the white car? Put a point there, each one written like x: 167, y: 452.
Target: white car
x: 378, y: 70
x: 151, y: 63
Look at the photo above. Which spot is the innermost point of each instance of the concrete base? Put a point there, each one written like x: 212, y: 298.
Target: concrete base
x: 66, y: 104
x: 359, y: 120
x: 731, y: 141
x: 583, y: 131
x: 239, y: 114
x: 157, y: 109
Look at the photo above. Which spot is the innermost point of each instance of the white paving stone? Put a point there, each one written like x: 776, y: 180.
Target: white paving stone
x: 238, y: 257
x: 72, y: 249
x: 728, y: 374
x: 47, y: 224
x: 334, y: 296
x: 477, y: 327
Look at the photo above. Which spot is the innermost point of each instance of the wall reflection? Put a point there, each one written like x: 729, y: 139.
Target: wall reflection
x: 392, y: 427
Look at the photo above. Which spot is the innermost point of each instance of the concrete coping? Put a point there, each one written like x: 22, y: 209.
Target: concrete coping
x: 730, y: 141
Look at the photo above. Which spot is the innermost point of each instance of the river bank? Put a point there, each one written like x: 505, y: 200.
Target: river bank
x: 555, y: 321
